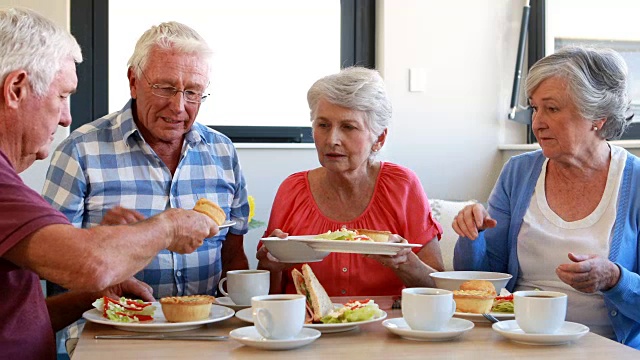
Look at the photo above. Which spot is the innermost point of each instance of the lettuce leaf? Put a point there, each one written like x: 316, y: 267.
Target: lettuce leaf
x: 119, y: 312
x: 346, y: 314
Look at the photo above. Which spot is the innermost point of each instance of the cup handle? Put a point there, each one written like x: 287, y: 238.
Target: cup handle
x: 220, y: 287
x: 261, y: 314
x: 453, y: 307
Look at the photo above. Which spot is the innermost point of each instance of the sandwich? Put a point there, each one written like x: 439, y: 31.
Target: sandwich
x: 375, y: 235
x: 211, y: 209
x: 319, y: 304
x: 186, y: 308
x: 475, y: 296
x: 320, y: 309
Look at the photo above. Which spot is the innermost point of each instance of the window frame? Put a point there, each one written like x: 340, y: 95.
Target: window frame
x: 536, y: 51
x: 90, y: 26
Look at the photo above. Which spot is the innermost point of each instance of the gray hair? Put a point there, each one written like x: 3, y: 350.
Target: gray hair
x: 597, y: 83
x: 31, y: 42
x: 355, y: 88
x: 168, y: 35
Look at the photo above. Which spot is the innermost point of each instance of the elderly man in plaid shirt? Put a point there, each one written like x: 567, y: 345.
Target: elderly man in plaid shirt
x: 152, y: 155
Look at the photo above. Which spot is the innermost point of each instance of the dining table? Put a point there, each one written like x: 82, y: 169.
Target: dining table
x: 368, y: 341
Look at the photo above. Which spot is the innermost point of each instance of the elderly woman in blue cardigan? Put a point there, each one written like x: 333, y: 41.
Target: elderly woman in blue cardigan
x: 567, y: 217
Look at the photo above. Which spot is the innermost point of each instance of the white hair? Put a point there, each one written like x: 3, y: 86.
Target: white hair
x: 355, y: 88
x: 597, y: 83
x: 168, y: 35
x: 34, y: 43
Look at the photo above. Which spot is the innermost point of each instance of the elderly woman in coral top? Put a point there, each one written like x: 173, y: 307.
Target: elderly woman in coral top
x: 350, y: 113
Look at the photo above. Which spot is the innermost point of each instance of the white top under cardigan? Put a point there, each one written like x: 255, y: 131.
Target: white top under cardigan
x: 545, y: 240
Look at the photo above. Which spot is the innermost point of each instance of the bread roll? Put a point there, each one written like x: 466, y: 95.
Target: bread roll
x: 186, y: 308
x: 475, y: 296
x: 211, y: 209
x: 375, y: 235
x: 481, y: 285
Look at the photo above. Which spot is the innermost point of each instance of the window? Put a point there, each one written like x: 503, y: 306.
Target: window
x: 267, y: 54
x: 558, y: 23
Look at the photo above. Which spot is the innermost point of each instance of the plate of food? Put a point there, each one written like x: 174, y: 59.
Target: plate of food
x: 136, y: 315
x: 324, y: 315
x: 358, y: 241
x: 477, y: 297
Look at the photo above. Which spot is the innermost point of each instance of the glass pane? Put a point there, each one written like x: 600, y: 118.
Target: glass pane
x: 267, y: 53
x: 598, y: 23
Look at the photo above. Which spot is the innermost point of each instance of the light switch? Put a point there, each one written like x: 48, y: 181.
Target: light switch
x: 417, y: 80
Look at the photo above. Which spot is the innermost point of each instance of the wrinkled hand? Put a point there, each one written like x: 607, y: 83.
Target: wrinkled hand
x: 266, y: 261
x: 121, y: 216
x: 131, y: 288
x: 471, y: 219
x: 393, y: 261
x: 589, y: 273
x: 189, y: 229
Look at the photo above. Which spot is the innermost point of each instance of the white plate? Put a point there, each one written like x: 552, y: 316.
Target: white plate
x: 226, y: 301
x: 452, y: 330
x: 226, y: 224
x: 352, y: 247
x: 292, y: 251
x: 249, y: 336
x: 245, y: 315
x: 480, y: 318
x: 568, y: 332
x: 159, y: 323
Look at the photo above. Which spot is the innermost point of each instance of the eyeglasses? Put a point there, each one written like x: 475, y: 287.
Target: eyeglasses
x: 169, y: 92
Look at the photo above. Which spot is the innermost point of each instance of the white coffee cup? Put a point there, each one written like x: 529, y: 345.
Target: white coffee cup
x: 245, y: 284
x: 278, y: 317
x: 427, y: 309
x: 540, y: 312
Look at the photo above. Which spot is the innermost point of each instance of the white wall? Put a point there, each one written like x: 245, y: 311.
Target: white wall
x: 448, y: 134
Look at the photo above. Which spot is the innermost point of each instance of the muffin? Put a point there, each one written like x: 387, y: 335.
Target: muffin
x: 186, y: 308
x: 475, y: 296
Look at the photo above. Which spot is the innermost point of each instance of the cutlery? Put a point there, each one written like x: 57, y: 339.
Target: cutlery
x: 163, y: 337
x: 490, y: 318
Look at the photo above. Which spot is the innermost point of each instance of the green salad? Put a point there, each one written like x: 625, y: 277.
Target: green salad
x: 353, y: 311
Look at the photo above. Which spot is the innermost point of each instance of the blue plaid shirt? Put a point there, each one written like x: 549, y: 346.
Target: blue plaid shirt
x: 108, y: 163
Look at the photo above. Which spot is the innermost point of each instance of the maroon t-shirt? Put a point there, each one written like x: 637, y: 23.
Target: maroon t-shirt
x: 25, y: 327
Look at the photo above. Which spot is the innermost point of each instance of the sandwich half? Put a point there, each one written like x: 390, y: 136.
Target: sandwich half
x: 318, y: 302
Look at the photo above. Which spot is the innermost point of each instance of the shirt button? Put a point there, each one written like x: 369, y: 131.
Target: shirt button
x: 343, y: 291
x: 614, y: 313
x: 344, y: 269
x: 179, y: 273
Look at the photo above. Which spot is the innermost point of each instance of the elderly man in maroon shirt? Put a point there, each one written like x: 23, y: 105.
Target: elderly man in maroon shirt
x: 37, y: 70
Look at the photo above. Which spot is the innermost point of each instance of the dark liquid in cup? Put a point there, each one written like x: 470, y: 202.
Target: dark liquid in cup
x: 541, y: 296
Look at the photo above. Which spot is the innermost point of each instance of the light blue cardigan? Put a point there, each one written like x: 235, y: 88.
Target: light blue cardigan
x: 495, y: 249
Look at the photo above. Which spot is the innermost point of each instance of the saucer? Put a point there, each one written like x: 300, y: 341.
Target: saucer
x: 245, y: 315
x: 226, y: 301
x: 452, y: 330
x: 569, y: 331
x: 249, y: 336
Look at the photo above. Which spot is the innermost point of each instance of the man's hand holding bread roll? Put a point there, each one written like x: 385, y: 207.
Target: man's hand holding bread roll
x: 189, y: 228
